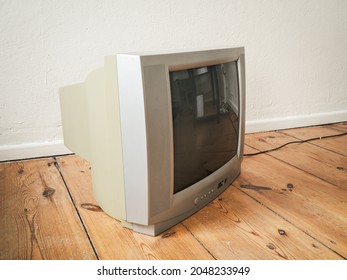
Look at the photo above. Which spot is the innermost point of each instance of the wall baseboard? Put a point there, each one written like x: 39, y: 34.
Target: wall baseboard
x: 253, y: 126
x: 32, y: 150
x: 45, y: 149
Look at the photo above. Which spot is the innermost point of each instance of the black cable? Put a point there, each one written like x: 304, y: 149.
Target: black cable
x: 294, y: 142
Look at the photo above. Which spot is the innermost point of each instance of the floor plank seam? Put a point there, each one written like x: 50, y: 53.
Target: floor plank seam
x: 56, y: 164
x: 198, y: 240
x: 314, y: 238
x: 35, y: 158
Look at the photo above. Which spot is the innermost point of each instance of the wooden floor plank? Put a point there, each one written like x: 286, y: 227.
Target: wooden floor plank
x: 235, y: 226
x: 38, y: 220
x: 339, y: 126
x: 335, y: 144
x: 313, y: 205
x: 319, y: 162
x: 110, y: 239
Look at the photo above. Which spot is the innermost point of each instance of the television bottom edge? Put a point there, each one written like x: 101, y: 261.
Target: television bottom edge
x: 160, y: 227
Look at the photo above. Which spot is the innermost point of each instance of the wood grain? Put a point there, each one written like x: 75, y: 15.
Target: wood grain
x: 235, y: 226
x: 110, y: 239
x: 38, y: 220
x: 313, y: 205
x: 310, y: 158
x: 288, y: 204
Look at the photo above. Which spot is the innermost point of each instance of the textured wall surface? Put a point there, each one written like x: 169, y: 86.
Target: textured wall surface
x: 296, y: 54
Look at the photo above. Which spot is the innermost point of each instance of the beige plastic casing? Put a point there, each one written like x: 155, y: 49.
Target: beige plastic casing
x: 91, y: 128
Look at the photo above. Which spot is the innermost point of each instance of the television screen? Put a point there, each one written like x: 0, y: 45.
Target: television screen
x: 205, y: 120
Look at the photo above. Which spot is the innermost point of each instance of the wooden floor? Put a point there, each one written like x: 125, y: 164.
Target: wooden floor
x: 287, y: 204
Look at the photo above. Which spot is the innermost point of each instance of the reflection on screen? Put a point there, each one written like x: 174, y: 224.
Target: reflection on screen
x: 205, y: 117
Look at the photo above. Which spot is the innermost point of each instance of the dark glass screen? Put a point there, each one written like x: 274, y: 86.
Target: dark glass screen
x: 205, y: 116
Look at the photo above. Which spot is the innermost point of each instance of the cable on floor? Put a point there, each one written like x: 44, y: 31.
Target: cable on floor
x: 295, y: 142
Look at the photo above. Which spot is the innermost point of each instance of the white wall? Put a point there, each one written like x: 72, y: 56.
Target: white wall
x: 296, y: 56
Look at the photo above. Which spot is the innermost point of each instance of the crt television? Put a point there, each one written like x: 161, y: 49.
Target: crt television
x: 163, y: 132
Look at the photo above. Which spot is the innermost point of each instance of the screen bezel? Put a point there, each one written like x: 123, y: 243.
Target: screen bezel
x: 147, y: 202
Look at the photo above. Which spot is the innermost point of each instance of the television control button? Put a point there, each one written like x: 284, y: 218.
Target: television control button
x: 196, y: 200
